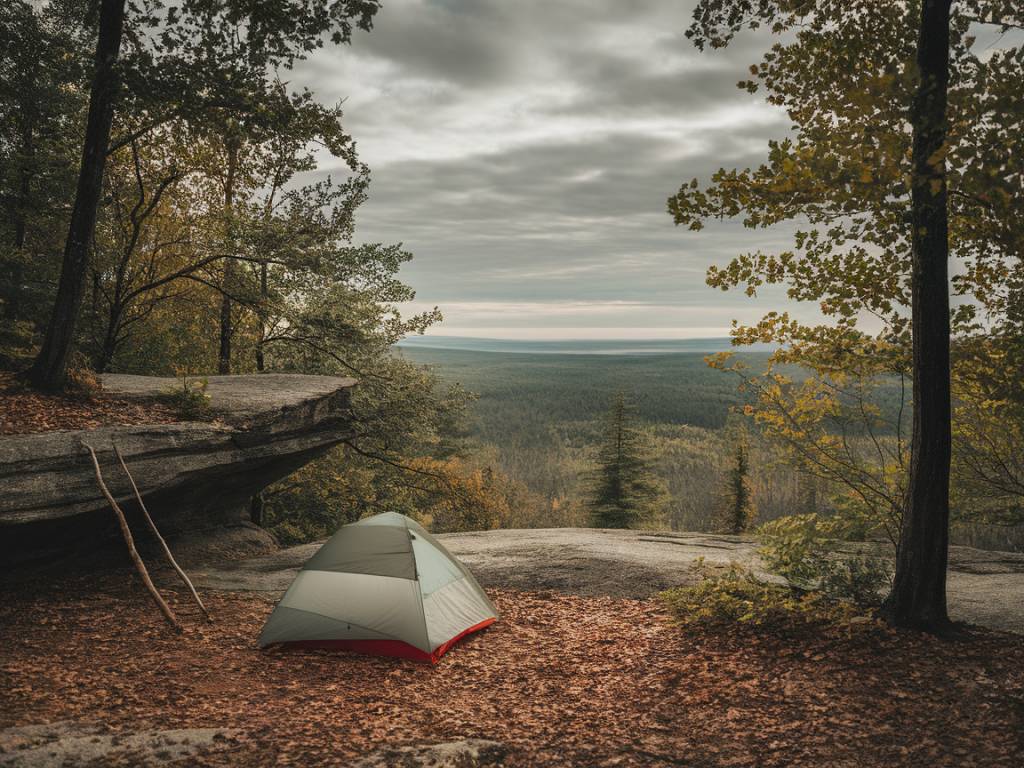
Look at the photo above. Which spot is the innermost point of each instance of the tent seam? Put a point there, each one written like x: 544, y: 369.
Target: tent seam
x: 419, y: 583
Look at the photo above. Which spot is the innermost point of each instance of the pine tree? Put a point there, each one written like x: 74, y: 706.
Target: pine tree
x: 738, y: 499
x: 624, y: 492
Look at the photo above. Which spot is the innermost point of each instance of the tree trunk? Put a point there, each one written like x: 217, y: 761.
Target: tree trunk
x: 109, y: 340
x: 50, y: 367
x: 257, y: 505
x: 264, y: 293
x: 918, y: 596
x: 224, y: 356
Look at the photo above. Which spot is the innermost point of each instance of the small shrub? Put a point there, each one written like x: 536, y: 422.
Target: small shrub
x: 802, y: 549
x: 81, y: 382
x: 17, y: 344
x: 858, y: 579
x: 795, y: 548
x: 190, y: 400
x: 288, y: 534
x: 736, y: 595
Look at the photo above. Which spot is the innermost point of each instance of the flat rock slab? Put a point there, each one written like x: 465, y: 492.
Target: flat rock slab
x: 985, y: 588
x: 464, y: 753
x: 67, y: 743
x: 236, y: 398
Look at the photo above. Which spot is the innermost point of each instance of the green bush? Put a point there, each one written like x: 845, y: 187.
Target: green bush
x: 289, y: 533
x: 736, y: 595
x: 858, y: 579
x: 795, y: 548
x: 804, y: 550
x: 190, y: 400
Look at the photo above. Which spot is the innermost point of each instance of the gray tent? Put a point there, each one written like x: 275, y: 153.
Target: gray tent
x: 381, y: 586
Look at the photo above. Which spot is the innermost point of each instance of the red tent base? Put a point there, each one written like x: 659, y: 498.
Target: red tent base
x: 389, y: 647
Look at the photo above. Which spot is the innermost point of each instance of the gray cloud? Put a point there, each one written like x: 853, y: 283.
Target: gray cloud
x: 524, y: 152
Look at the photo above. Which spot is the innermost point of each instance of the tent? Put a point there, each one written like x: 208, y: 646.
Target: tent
x: 381, y: 586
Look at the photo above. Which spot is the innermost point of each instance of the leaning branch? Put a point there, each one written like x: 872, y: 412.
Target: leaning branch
x: 152, y: 527
x: 126, y: 532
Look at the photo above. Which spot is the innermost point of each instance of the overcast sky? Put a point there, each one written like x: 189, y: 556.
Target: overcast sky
x: 523, y: 151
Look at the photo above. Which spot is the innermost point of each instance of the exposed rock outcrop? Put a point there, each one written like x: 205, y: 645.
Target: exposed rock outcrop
x: 68, y: 743
x: 985, y: 588
x: 193, y: 475
x: 464, y: 753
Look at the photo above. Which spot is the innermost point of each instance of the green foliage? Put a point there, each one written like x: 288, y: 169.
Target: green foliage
x: 538, y: 416
x: 624, y: 491
x: 988, y: 428
x: 16, y: 345
x: 845, y: 74
x: 844, y: 425
x: 44, y: 59
x: 189, y: 400
x: 444, y: 494
x: 859, y: 579
x: 803, y: 550
x: 796, y: 548
x: 208, y: 237
x: 735, y: 595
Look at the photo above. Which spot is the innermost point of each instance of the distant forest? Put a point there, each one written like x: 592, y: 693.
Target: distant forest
x: 537, y: 418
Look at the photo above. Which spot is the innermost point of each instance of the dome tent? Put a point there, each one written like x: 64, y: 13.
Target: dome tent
x: 381, y: 586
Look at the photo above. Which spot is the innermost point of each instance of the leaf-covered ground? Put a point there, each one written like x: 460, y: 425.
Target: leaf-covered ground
x: 23, y: 411
x: 560, y: 680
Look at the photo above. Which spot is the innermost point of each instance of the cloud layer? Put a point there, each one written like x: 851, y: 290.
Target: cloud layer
x: 523, y: 151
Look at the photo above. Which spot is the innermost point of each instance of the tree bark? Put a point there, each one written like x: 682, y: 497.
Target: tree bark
x: 257, y: 505
x: 50, y: 367
x: 918, y: 596
x: 224, y: 356
x: 264, y: 293
x: 109, y: 346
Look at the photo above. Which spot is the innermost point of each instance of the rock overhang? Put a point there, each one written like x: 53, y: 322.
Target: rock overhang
x: 192, y: 474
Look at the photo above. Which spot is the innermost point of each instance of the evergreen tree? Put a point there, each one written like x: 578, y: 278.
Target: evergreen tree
x: 738, y: 499
x: 624, y: 491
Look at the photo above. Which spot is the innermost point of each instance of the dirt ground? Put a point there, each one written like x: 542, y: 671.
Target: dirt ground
x: 89, y: 672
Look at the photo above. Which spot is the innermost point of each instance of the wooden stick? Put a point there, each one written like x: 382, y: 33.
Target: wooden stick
x: 156, y: 532
x: 126, y: 532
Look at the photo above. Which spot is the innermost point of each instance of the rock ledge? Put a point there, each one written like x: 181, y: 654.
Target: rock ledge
x: 193, y: 475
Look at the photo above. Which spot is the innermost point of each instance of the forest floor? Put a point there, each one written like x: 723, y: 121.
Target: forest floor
x: 90, y: 672
x: 24, y: 411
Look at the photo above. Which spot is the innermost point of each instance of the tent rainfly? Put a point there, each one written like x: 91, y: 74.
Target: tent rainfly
x: 381, y: 586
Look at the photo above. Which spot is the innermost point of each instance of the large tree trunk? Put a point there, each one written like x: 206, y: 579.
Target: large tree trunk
x: 109, y: 347
x: 50, y: 366
x: 224, y: 356
x: 918, y: 597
